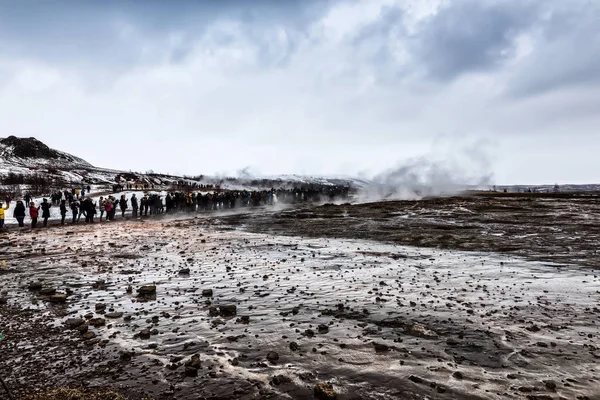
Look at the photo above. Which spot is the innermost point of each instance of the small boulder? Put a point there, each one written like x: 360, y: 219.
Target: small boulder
x: 73, y: 323
x: 97, y: 322
x: 184, y: 271
x: 144, y: 334
x: 272, y: 357
x: 228, y: 310
x: 207, y: 292
x: 323, y: 328
x: 192, y: 366
x: 324, y: 391
x: 35, y: 285
x: 114, y: 315
x: 58, y: 298
x: 88, y: 335
x: 148, y: 290
x: 49, y: 291
x: 100, y: 307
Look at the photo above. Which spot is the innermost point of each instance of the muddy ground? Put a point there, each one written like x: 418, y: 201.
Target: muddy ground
x: 374, y: 301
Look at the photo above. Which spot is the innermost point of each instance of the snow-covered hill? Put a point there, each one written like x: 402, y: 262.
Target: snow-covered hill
x: 24, y: 158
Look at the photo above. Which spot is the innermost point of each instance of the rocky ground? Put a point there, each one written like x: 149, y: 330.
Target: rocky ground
x: 316, y: 302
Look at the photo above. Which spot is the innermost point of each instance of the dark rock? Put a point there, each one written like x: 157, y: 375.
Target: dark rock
x: 88, y: 335
x: 323, y: 328
x: 272, y: 357
x: 73, y: 323
x: 144, y: 334
x: 458, y: 375
x: 192, y: 366
x: 280, y: 380
x: 381, y: 348
x: 100, y: 307
x: 228, y: 310
x: 35, y: 285
x: 3, y: 300
x: 97, y: 322
x: 48, y: 291
x: 452, y: 341
x: 148, y: 290
x: 114, y: 315
x: 415, y: 379
x: 550, y: 385
x: 58, y: 298
x: 309, y: 333
x: 184, y: 271
x: 324, y: 391
x: 207, y: 292
x: 213, y: 311
x: 99, y: 285
x: 83, y: 328
x: 294, y: 346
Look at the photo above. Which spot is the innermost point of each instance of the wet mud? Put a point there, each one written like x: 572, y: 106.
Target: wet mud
x: 202, y: 308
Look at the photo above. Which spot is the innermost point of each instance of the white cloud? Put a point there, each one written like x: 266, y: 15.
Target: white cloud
x: 345, y: 92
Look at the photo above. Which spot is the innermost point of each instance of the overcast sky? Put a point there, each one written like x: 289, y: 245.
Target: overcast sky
x: 505, y: 88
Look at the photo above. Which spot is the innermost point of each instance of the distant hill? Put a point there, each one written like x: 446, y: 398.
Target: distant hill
x: 27, y: 159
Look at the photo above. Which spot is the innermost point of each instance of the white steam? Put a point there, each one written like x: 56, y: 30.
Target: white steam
x: 440, y: 173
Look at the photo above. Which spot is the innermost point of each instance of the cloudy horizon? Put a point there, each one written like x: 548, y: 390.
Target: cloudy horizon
x: 502, y: 89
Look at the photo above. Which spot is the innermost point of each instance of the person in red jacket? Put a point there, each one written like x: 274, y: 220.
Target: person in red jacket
x: 33, y: 213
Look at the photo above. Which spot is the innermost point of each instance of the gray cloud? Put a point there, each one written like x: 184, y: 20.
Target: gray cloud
x: 304, y: 87
x: 468, y: 35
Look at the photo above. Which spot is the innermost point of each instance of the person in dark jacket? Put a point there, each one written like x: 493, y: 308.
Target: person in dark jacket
x: 63, y: 211
x: 45, y: 211
x: 90, y: 210
x: 75, y: 210
x: 19, y: 213
x: 123, y: 205
x: 134, y: 206
x: 34, y: 212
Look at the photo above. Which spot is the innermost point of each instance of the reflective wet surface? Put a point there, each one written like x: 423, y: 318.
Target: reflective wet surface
x: 374, y: 320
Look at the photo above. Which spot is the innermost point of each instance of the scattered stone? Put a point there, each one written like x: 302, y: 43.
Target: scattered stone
x: 114, y: 315
x: 184, y: 271
x: 148, y: 290
x: 58, y: 298
x: 100, y: 307
x: 272, y: 357
x: 294, y: 346
x: 48, y: 291
x: 192, y: 366
x: 228, y: 310
x: 323, y: 328
x: 207, y: 292
x: 280, y: 380
x: 420, y: 330
x: 73, y: 323
x: 88, y: 335
x: 35, y: 285
x: 97, y: 322
x: 458, y: 375
x: 324, y: 391
x: 83, y: 328
x: 144, y: 334
x: 550, y: 385
x: 381, y: 348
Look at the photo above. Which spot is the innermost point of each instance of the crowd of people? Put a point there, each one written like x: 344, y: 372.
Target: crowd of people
x: 76, y: 202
